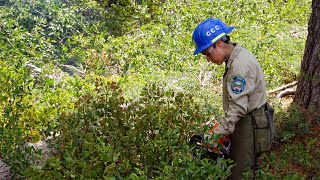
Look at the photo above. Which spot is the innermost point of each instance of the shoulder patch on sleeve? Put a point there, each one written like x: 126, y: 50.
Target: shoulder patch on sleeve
x: 237, y: 84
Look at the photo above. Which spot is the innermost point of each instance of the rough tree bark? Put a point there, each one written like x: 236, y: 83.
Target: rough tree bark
x: 308, y: 88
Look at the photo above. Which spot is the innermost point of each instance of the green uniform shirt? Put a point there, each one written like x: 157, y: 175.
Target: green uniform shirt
x: 244, y: 88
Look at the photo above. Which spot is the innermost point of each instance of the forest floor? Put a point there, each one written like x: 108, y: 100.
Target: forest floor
x: 298, y: 156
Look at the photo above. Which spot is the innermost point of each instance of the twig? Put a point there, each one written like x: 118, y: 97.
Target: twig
x: 203, y: 76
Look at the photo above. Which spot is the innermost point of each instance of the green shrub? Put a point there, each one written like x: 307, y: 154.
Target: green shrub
x: 105, y: 136
x: 15, y: 85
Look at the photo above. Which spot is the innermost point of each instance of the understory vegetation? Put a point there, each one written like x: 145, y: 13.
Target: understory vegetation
x: 114, y: 90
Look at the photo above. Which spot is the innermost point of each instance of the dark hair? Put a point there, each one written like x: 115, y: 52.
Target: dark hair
x: 225, y: 39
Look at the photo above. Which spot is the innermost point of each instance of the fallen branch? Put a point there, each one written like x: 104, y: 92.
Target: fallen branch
x: 77, y: 71
x: 283, y: 87
x: 35, y: 70
x: 286, y: 92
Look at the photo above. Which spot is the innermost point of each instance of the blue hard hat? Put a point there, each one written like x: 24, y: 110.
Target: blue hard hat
x: 208, y: 33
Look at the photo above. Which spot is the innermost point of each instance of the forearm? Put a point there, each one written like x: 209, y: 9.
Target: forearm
x: 232, y: 116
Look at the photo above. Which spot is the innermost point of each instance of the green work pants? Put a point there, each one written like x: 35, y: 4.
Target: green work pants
x: 242, y: 146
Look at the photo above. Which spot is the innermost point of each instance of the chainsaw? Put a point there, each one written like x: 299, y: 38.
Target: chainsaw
x: 210, y: 146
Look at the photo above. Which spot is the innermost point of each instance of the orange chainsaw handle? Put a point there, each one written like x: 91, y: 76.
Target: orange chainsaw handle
x: 214, y: 127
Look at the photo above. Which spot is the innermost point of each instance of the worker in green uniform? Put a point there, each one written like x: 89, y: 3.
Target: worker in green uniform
x: 244, y: 94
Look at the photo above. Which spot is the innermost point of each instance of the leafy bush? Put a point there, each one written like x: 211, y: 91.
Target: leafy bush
x: 15, y: 86
x: 105, y: 136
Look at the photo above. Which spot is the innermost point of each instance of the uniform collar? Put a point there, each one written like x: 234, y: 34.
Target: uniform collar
x: 234, y: 53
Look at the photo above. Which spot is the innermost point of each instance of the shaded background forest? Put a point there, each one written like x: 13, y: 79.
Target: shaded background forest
x: 113, y: 87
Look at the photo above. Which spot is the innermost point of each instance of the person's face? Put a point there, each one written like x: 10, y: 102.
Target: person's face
x: 215, y: 55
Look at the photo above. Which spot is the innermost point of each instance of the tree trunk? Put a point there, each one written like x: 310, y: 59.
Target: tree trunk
x: 308, y: 88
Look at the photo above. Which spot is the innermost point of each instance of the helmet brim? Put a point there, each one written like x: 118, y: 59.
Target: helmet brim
x: 202, y: 48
